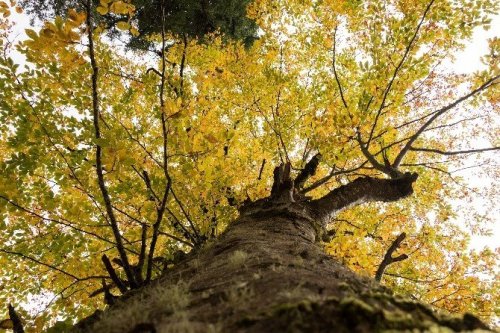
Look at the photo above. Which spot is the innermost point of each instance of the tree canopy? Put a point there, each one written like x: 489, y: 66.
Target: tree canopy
x: 114, y: 159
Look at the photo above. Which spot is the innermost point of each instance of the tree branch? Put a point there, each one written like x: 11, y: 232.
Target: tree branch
x: 438, y: 113
x: 335, y: 69
x: 361, y: 190
x: 168, y: 187
x: 332, y: 174
x: 389, y: 259
x: 17, y: 325
x: 74, y: 277
x: 384, y: 168
x: 437, y: 151
x: 68, y: 224
x: 397, y: 69
x: 261, y: 169
x: 142, y: 254
x: 308, y: 171
x: 112, y: 274
x: 99, y: 168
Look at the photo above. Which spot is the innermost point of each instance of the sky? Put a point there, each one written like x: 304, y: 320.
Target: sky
x: 468, y: 61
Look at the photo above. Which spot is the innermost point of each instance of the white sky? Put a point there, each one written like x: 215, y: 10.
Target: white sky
x: 468, y: 61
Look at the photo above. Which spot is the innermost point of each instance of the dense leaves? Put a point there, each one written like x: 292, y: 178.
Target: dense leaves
x: 193, y: 19
x: 190, y: 132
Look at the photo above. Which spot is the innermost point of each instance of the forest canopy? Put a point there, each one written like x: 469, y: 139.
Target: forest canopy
x: 126, y: 139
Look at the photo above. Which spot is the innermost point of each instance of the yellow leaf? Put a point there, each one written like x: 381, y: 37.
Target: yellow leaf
x: 134, y: 32
x: 122, y: 25
x: 170, y: 107
x: 31, y: 33
x: 19, y: 10
x: 76, y: 17
x: 47, y: 33
x: 102, y: 10
x: 119, y: 7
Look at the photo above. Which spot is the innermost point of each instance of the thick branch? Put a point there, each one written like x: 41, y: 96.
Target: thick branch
x: 17, y: 325
x: 142, y: 254
x: 361, y: 190
x: 385, y: 168
x: 109, y: 298
x: 308, y: 171
x: 112, y: 274
x: 389, y: 259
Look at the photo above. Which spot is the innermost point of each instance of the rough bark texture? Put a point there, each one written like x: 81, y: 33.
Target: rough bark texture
x: 268, y: 273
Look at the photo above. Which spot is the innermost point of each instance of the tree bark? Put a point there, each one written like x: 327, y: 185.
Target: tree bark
x: 267, y: 273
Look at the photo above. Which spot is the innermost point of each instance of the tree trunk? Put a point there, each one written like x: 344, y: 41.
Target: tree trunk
x: 268, y: 273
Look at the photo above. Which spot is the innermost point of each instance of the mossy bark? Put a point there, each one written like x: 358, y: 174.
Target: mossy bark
x: 268, y: 273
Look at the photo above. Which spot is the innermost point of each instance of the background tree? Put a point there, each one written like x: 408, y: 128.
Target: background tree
x: 111, y: 164
x: 183, y: 18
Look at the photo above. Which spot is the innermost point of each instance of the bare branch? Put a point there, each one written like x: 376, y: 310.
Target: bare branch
x: 185, y: 213
x: 438, y: 113
x: 183, y: 62
x: 154, y: 70
x: 261, y: 169
x: 384, y: 168
x: 168, y: 187
x: 332, y: 174
x: 74, y: 277
x: 109, y: 298
x: 156, y: 230
x: 413, y: 279
x: 178, y: 226
x: 389, y: 259
x: 398, y: 68
x: 142, y: 254
x: 335, y: 69
x: 437, y: 151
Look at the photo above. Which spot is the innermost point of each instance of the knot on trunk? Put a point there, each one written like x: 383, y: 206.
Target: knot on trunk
x: 285, y: 197
x: 285, y: 189
x: 283, y: 184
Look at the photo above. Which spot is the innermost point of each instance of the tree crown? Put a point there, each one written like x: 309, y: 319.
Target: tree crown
x: 113, y: 158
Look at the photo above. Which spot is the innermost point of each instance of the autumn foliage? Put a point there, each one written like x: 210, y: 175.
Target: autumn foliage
x: 181, y: 133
